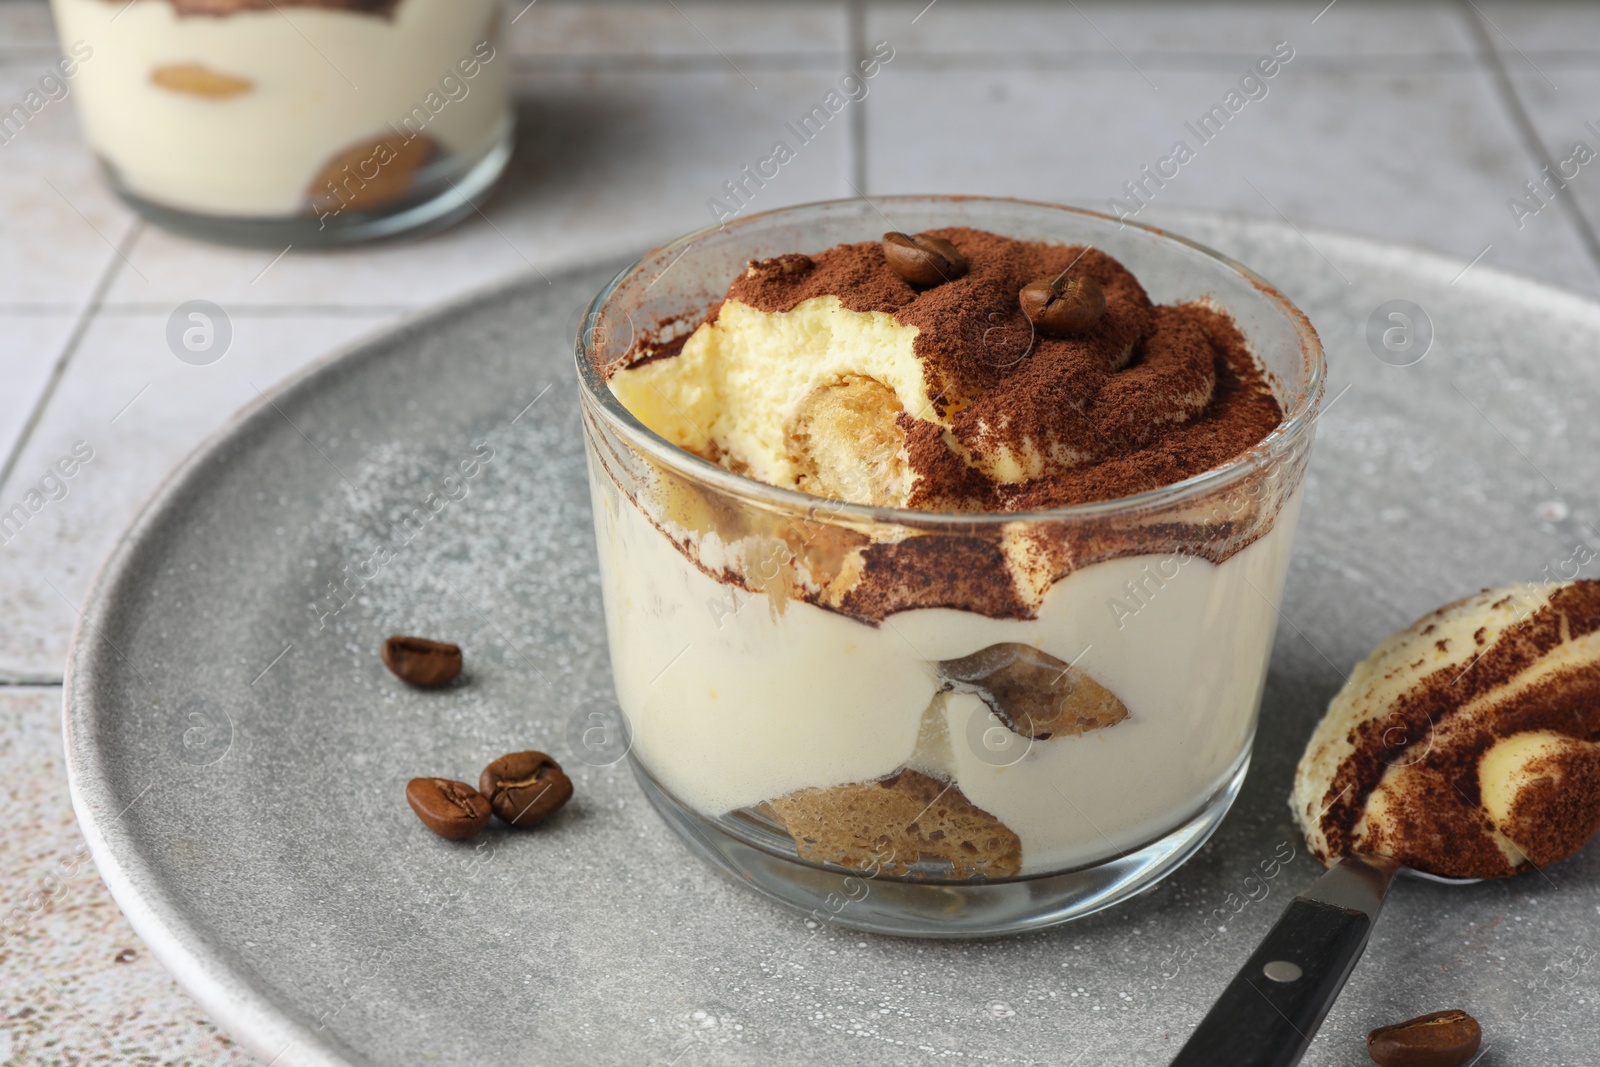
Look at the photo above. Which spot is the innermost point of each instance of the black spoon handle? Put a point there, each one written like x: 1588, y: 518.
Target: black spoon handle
x: 1269, y: 1013
x: 1261, y: 1020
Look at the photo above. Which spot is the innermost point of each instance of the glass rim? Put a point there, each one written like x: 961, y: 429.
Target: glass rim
x: 1296, y: 423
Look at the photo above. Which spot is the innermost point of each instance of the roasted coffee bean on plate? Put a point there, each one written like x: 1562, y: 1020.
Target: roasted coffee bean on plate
x: 1440, y: 1039
x: 922, y: 258
x: 1062, y: 307
x: 420, y: 661
x: 525, y: 788
x: 449, y: 808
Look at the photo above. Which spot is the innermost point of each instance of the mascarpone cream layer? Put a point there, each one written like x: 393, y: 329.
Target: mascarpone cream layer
x: 733, y: 701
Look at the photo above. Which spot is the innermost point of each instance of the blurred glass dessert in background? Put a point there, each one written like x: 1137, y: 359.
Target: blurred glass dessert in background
x: 313, y: 122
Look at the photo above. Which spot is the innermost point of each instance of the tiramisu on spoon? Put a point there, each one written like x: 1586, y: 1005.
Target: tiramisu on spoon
x: 1467, y: 746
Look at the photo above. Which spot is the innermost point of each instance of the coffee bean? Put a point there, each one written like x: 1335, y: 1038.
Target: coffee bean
x: 1442, y: 1039
x: 450, y: 809
x: 420, y: 661
x: 525, y: 788
x: 1061, y: 307
x: 922, y: 258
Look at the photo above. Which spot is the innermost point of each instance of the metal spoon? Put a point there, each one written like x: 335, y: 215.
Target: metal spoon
x: 1269, y: 1013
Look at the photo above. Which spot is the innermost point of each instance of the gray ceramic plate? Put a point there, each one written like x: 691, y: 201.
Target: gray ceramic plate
x: 238, y: 754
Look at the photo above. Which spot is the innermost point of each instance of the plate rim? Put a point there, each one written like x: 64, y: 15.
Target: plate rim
x: 248, y: 1013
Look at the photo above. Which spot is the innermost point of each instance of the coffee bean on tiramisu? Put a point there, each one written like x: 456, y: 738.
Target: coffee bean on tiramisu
x: 420, y: 661
x: 922, y: 258
x: 1441, y: 1039
x: 1062, y: 307
x: 450, y: 809
x: 525, y: 788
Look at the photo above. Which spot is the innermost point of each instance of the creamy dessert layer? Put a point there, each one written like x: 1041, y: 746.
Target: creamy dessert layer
x: 734, y: 703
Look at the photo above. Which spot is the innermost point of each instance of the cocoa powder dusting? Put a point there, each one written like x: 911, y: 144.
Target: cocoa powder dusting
x: 1241, y: 413
x: 1151, y: 396
x: 1439, y: 826
x: 1148, y: 397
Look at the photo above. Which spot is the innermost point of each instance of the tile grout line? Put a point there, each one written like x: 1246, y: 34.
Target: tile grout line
x: 1520, y: 118
x: 129, y: 309
x: 1180, y: 61
x: 856, y: 47
x: 1381, y: 63
x: 39, y: 309
x: 585, y: 62
x: 70, y: 348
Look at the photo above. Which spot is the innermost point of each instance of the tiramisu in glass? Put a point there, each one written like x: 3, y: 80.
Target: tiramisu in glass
x: 941, y: 565
x: 312, y: 122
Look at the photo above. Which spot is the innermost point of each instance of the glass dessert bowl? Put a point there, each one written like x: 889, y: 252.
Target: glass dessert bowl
x: 1001, y: 665
x: 311, y: 122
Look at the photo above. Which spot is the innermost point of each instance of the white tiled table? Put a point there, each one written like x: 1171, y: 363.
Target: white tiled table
x: 1415, y: 123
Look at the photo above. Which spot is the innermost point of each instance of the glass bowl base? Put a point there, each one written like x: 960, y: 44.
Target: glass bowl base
x: 440, y: 203
x: 910, y: 908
